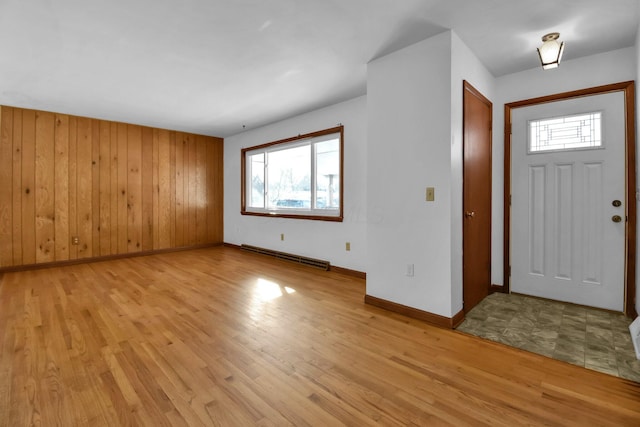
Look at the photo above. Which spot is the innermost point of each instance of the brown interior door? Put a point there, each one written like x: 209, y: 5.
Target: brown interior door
x: 476, y: 196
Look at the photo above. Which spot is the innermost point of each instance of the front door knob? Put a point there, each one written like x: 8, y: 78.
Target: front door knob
x: 616, y: 218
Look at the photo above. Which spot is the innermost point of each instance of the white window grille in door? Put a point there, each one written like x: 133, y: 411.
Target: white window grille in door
x: 573, y: 132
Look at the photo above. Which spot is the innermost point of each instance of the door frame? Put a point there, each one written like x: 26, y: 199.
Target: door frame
x: 469, y: 90
x: 628, y: 88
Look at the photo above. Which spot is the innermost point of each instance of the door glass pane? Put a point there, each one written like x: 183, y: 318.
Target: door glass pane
x: 566, y: 133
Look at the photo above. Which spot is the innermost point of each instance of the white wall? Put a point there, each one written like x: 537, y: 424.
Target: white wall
x: 610, y: 67
x: 409, y: 149
x: 464, y: 66
x: 317, y: 239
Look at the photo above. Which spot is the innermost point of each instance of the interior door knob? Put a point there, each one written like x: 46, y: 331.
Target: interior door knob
x: 616, y: 218
x: 469, y: 214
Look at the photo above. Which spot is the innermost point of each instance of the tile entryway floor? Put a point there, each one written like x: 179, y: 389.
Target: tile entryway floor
x: 592, y: 338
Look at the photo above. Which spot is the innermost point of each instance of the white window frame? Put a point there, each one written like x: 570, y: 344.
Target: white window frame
x: 312, y: 212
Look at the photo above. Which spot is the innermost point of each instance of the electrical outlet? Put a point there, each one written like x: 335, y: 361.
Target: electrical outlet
x: 348, y: 246
x: 282, y: 236
x: 409, y: 272
x: 75, y: 240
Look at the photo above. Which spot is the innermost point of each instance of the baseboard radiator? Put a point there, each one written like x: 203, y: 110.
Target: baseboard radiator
x: 312, y: 262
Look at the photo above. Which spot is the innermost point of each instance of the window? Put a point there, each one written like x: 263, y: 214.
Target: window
x: 580, y: 131
x: 299, y: 177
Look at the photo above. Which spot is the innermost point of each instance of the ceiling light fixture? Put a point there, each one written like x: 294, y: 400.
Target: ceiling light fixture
x: 551, y: 51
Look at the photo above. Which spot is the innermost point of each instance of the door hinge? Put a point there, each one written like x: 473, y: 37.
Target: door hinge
x: 509, y: 128
x: 509, y: 271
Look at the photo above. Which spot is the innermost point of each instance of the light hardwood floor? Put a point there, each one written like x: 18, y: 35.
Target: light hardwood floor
x: 223, y: 337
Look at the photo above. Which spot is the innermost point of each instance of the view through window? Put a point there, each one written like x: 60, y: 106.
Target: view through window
x: 296, y: 177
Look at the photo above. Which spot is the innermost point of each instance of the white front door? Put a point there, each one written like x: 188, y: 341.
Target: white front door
x: 565, y: 243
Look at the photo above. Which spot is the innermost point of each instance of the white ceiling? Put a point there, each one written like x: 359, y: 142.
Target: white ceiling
x: 212, y: 66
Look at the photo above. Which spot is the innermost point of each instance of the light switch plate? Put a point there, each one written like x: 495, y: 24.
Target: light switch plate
x: 431, y: 194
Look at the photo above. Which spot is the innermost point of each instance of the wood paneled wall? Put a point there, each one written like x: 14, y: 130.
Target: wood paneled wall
x: 118, y: 188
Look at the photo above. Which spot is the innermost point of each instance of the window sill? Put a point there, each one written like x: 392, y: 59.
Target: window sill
x: 295, y: 216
